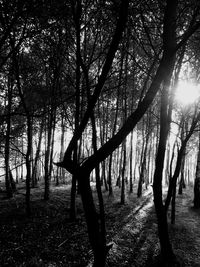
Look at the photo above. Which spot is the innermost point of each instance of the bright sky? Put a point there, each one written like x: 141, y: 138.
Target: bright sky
x: 187, y: 93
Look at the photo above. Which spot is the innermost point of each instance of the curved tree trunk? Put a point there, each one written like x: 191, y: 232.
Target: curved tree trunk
x: 97, y: 240
x: 166, y: 247
x: 169, y: 40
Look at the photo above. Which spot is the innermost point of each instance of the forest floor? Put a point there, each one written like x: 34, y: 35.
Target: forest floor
x: 49, y: 239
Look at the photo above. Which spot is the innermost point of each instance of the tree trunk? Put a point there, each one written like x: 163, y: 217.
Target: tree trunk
x: 166, y: 248
x: 12, y: 182
x: 123, y: 174
x: 131, y: 164
x: 7, y: 144
x: 29, y: 134
x: 61, y: 171
x: 37, y: 154
x: 169, y: 40
x: 173, y: 205
x: 110, y: 189
x: 143, y: 167
x: 103, y: 179
x: 98, y: 184
x: 47, y: 159
x: 197, y: 181
x: 182, y: 180
x: 173, y: 180
x: 97, y: 240
x: 22, y: 159
x: 73, y: 199
x: 28, y: 165
x: 52, y: 144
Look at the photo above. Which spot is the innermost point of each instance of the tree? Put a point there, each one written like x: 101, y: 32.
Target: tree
x: 29, y: 133
x: 185, y: 136
x: 197, y: 181
x: 7, y: 141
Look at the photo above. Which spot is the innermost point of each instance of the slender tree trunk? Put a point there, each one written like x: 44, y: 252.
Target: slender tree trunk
x: 28, y: 165
x: 169, y: 41
x: 76, y: 9
x: 182, y: 180
x: 166, y: 248
x: 98, y: 186
x: 37, y: 154
x: 22, y: 159
x: 197, y: 181
x: 118, y: 182
x: 173, y: 181
x: 51, y: 170
x: 131, y: 164
x: 29, y: 135
x: 103, y: 166
x: 110, y: 189
x: 123, y: 174
x: 12, y: 182
x: 136, y: 157
x: 17, y: 169
x: 167, y: 165
x: 173, y: 205
x: 61, y: 171
x: 73, y: 194
x: 7, y: 144
x: 47, y: 158
x: 143, y: 168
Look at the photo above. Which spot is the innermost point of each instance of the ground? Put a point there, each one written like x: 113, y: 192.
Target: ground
x: 49, y: 239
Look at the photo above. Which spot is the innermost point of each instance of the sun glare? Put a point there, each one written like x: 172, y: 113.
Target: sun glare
x: 187, y: 93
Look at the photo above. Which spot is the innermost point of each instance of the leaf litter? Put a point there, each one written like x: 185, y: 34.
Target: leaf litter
x: 49, y: 239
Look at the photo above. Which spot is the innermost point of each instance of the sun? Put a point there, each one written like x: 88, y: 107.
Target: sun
x: 187, y: 93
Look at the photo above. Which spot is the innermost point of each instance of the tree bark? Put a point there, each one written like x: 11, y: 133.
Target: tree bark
x: 143, y: 164
x: 8, y: 186
x: 29, y: 135
x: 197, y: 182
x: 182, y: 179
x: 173, y: 182
x: 96, y: 238
x: 28, y: 164
x: 169, y: 43
x: 123, y: 174
x: 47, y: 156
x: 37, y: 154
x: 131, y: 164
